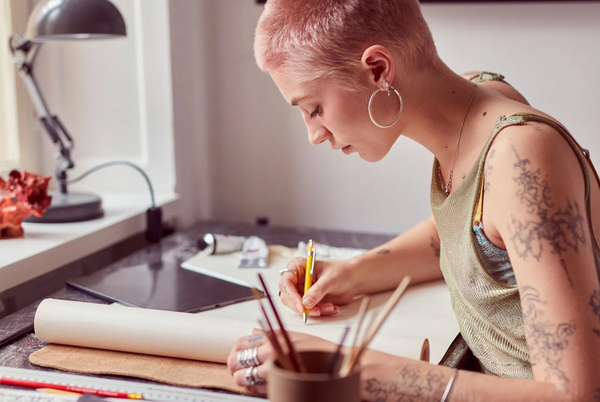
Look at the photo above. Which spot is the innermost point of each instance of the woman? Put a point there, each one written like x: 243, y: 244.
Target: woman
x: 514, y: 201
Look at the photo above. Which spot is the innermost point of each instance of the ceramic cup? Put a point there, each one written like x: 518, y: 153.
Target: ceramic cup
x: 315, y: 385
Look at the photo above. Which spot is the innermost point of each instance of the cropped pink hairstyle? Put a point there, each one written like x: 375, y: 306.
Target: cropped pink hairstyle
x: 320, y: 39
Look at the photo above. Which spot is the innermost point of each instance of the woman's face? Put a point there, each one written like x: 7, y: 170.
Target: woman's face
x: 340, y: 117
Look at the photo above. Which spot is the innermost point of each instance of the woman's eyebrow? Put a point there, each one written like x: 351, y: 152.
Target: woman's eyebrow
x: 295, y: 100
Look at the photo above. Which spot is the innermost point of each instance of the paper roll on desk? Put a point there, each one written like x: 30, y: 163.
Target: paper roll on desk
x: 129, y: 329
x: 170, y: 334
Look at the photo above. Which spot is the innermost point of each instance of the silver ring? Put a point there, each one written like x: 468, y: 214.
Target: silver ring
x: 389, y: 89
x: 254, y: 359
x: 291, y: 271
x: 248, y: 357
x: 249, y: 378
x: 243, y: 358
x: 256, y: 380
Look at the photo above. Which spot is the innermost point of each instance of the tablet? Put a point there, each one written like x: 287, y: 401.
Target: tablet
x: 162, y: 285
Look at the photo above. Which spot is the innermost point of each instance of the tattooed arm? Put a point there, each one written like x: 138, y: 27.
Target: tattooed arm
x: 535, y: 204
x: 415, y: 253
x: 387, y: 378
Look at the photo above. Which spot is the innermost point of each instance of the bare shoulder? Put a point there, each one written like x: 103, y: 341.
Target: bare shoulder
x: 499, y: 87
x: 531, y: 164
x: 538, y: 144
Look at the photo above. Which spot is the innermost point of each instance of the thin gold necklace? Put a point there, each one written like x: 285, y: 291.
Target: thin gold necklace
x: 449, y: 183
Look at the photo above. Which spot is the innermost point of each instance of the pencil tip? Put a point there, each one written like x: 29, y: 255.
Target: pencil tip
x: 305, y: 317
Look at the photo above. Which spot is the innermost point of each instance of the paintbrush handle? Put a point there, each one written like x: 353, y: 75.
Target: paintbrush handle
x: 387, y: 309
x: 298, y: 366
x: 362, y: 311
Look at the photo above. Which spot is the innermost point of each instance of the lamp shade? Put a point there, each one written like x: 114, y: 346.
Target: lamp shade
x: 75, y: 19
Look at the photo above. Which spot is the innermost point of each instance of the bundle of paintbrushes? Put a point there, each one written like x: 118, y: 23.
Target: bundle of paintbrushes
x: 292, y: 361
x: 353, y: 355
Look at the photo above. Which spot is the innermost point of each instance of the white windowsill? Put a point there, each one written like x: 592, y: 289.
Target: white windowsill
x: 46, y: 247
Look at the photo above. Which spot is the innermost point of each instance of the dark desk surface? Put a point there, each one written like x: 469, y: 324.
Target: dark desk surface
x: 181, y: 246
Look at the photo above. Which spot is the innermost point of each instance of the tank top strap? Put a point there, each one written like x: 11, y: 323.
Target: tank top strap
x: 583, y: 155
x: 487, y: 76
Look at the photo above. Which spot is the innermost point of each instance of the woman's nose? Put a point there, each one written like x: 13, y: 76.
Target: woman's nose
x: 318, y: 135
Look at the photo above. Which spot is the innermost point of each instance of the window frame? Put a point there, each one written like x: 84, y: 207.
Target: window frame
x: 10, y: 149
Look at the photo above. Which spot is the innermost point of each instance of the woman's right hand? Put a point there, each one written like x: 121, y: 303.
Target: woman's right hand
x: 332, y: 286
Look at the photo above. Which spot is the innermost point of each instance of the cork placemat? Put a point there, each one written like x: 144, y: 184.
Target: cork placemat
x: 166, y: 370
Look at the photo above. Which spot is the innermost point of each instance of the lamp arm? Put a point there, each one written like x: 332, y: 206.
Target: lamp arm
x: 25, y: 53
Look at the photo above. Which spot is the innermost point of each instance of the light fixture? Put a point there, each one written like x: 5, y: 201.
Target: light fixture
x: 54, y: 20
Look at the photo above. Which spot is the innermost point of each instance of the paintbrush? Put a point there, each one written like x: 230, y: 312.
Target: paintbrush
x: 284, y: 359
x: 296, y: 361
x: 286, y: 363
x: 335, y: 358
x: 385, y: 312
x: 364, y: 306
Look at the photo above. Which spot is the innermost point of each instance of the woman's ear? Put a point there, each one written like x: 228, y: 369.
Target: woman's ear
x: 378, y: 65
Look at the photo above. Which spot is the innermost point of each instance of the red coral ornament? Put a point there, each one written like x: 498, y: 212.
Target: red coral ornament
x: 24, y: 194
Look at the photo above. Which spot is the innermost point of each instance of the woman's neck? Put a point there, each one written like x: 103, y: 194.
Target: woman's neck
x: 436, y: 102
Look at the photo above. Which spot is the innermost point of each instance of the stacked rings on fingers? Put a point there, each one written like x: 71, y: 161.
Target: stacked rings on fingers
x: 248, y: 357
x: 252, y: 377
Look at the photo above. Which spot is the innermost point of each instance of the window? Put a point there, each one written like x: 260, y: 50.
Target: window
x: 9, y: 132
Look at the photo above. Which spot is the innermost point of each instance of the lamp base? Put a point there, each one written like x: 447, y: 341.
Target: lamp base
x: 70, y: 207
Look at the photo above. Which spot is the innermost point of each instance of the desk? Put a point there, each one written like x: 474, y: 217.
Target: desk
x: 181, y: 246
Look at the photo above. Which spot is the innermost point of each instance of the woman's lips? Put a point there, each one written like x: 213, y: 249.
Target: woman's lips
x: 346, y: 149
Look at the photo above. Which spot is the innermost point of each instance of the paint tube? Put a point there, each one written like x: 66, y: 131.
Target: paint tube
x: 254, y: 253
x: 221, y: 244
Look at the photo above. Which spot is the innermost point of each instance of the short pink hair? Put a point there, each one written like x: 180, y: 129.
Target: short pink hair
x: 315, y: 39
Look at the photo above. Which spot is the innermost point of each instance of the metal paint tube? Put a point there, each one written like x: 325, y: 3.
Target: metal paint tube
x: 222, y: 244
x: 254, y: 253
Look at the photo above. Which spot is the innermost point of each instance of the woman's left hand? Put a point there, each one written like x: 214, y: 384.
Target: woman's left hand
x: 255, y: 378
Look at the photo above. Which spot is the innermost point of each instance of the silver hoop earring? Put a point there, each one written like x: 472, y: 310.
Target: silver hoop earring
x: 388, y: 89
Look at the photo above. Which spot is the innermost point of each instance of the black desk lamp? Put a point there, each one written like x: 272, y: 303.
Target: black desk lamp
x: 63, y: 20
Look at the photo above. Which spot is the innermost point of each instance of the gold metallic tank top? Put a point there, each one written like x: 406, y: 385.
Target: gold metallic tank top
x: 488, y: 310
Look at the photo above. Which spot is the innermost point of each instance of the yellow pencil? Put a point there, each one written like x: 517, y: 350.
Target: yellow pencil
x: 310, y: 267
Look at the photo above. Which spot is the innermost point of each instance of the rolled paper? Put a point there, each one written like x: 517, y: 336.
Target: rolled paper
x: 137, y: 330
x: 200, y: 336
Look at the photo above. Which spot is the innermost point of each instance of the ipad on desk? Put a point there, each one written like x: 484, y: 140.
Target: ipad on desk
x: 162, y: 285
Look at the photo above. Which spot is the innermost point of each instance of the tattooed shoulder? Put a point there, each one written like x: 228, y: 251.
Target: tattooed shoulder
x: 546, y: 341
x: 562, y: 228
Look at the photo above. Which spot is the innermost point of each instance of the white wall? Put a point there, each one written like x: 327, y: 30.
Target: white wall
x: 191, y: 34
x: 195, y: 104
x: 261, y: 160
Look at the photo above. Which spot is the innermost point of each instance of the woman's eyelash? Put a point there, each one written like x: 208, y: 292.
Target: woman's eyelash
x: 316, y: 112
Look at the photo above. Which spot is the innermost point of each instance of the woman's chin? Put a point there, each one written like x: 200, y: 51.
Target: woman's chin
x: 371, y: 156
